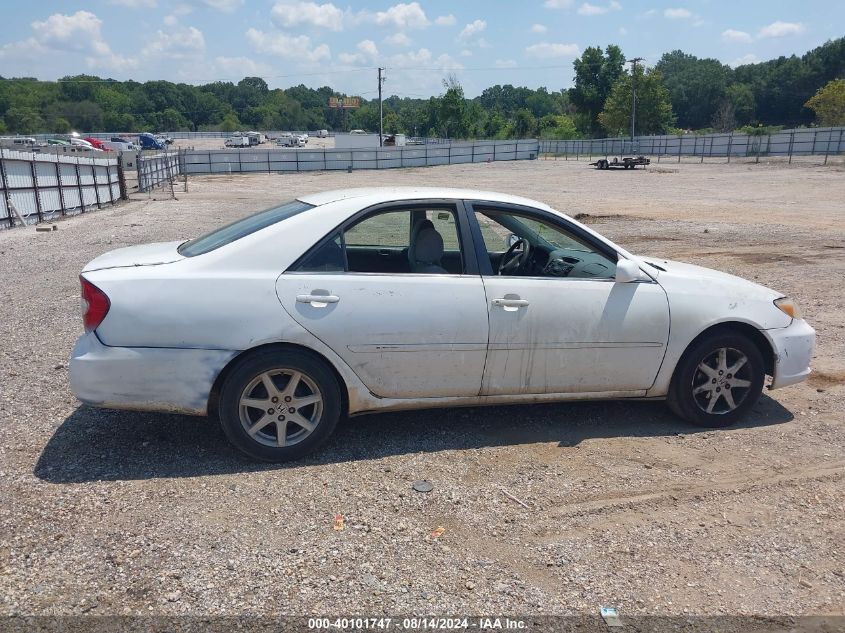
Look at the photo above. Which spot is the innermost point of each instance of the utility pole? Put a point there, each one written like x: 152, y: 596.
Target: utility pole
x: 634, y: 96
x: 380, y: 109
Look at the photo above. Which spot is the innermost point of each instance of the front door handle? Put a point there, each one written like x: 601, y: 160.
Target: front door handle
x: 510, y: 304
x: 317, y: 301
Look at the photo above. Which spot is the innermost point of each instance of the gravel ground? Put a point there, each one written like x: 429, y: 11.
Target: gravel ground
x: 107, y: 512
x: 219, y: 143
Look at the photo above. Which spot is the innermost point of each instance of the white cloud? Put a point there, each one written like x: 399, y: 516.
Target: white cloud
x: 287, y: 15
x: 445, y: 20
x: 240, y: 67
x: 466, y: 53
x: 68, y: 32
x: 80, y: 33
x: 593, y: 9
x: 403, y: 16
x: 538, y: 28
x: 677, y: 14
x: 781, y: 29
x: 398, y: 39
x: 423, y: 57
x: 505, y: 63
x: 546, y: 50
x: 557, y: 4
x: 177, y: 44
x: 623, y: 31
x: 367, y: 53
x: 170, y: 20
x: 368, y: 48
x: 732, y: 35
x: 287, y: 46
x: 472, y: 29
x: 750, y: 58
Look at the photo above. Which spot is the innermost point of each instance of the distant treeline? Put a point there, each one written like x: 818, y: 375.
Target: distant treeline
x: 680, y: 92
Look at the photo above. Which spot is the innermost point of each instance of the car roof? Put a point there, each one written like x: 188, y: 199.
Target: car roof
x: 376, y: 195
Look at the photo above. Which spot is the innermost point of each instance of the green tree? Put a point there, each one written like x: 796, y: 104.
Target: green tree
x: 452, y: 108
x: 829, y: 103
x: 23, y: 120
x: 172, y: 120
x: 595, y: 75
x: 61, y: 125
x: 654, y: 110
x: 741, y: 98
x: 524, y: 124
x: 558, y: 126
x: 696, y: 87
x: 230, y: 123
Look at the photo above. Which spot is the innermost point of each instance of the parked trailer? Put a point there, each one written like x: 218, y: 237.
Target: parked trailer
x: 626, y: 163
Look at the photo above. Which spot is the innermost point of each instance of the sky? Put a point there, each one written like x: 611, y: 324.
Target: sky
x: 340, y: 44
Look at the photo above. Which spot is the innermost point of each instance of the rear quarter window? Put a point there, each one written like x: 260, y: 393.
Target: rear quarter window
x: 241, y: 228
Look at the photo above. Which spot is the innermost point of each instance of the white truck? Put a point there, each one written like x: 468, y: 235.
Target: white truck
x: 237, y: 141
x: 20, y: 143
x: 119, y: 144
x: 290, y: 141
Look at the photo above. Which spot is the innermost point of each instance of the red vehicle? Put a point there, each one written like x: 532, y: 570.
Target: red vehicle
x: 97, y: 143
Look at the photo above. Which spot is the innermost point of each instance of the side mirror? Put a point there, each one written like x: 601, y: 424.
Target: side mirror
x: 513, y: 238
x: 628, y: 271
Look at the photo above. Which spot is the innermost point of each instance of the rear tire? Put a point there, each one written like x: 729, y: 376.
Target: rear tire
x: 278, y: 406
x: 718, y: 380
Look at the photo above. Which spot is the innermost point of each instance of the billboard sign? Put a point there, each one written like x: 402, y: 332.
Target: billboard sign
x: 344, y: 102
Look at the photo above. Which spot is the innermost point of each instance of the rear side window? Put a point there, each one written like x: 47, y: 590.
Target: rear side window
x: 241, y: 228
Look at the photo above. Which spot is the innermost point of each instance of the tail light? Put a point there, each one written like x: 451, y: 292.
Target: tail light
x: 95, y: 305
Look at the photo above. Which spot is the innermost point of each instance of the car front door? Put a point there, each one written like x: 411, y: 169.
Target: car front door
x: 406, y: 312
x: 559, y: 323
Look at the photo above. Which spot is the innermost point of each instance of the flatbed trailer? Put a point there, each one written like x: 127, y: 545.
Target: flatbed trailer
x: 626, y: 163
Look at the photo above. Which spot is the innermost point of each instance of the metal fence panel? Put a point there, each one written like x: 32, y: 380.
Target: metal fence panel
x: 278, y: 160
x: 42, y: 186
x: 797, y: 142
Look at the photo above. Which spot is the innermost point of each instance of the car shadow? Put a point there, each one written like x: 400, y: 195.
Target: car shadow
x: 102, y: 445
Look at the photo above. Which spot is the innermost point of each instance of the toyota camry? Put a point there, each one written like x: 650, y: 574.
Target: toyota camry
x: 363, y: 300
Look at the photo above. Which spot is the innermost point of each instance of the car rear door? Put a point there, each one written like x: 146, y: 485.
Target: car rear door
x: 405, y: 334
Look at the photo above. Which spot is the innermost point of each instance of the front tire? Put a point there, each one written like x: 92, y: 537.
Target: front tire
x: 278, y: 406
x: 718, y: 380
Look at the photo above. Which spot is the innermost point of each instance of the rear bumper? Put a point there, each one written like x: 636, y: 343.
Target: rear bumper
x: 146, y: 379
x: 793, y: 347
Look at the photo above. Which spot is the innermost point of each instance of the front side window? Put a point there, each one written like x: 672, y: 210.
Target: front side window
x: 395, y: 241
x: 523, y: 245
x: 241, y: 228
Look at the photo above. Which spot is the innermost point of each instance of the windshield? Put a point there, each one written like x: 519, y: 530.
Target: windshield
x: 241, y: 228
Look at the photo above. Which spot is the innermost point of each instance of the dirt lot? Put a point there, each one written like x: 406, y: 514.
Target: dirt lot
x: 108, y: 512
x: 218, y: 143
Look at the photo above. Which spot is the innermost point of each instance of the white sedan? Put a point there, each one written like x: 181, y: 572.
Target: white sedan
x: 364, y: 300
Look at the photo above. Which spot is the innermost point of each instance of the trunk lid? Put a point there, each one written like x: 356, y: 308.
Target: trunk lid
x: 142, y: 255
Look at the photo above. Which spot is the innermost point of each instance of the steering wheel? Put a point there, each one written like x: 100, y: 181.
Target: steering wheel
x: 514, y: 259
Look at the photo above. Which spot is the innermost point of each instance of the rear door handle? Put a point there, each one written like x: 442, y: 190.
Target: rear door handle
x: 513, y: 304
x: 317, y: 301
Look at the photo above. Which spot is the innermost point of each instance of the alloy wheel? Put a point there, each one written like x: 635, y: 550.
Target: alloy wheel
x: 280, y: 407
x: 722, y: 381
